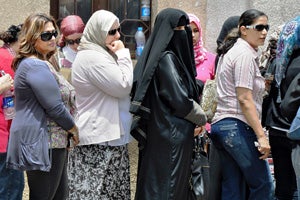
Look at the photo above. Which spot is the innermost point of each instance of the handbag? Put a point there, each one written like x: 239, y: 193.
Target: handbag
x: 294, y: 132
x: 200, y: 171
x: 209, y: 99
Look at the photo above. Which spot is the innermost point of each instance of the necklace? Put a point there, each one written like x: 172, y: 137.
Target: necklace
x: 10, y: 50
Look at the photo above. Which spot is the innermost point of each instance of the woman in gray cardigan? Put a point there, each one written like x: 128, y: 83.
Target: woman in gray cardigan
x: 38, y: 98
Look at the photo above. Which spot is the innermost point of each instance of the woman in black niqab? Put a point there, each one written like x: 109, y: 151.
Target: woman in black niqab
x: 165, y: 108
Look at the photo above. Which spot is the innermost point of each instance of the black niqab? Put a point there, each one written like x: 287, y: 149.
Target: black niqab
x: 161, y: 39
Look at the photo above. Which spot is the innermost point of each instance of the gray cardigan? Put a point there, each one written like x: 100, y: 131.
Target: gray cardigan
x: 37, y: 96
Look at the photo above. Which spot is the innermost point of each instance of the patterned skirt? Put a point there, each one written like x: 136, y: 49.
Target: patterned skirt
x: 99, y: 172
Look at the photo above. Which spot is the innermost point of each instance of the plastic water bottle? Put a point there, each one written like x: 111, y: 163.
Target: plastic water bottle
x: 140, y: 42
x: 145, y: 10
x: 8, y: 103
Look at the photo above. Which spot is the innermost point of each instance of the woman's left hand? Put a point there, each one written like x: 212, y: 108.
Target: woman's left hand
x: 264, y: 147
x: 199, y: 130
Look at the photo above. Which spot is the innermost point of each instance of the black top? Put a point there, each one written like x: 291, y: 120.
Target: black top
x: 275, y: 117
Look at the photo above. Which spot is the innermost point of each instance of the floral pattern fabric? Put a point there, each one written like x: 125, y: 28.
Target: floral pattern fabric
x: 99, y: 172
x: 57, y: 134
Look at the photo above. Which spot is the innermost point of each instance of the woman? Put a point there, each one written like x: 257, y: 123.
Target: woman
x: 236, y: 125
x: 286, y: 160
x: 11, y: 181
x: 102, y: 75
x: 29, y: 144
x: 204, y: 60
x: 215, y: 166
x: 71, y: 28
x: 165, y: 108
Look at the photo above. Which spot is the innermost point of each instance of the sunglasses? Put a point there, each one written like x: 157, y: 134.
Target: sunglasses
x: 114, y: 31
x: 259, y: 27
x: 46, y: 36
x: 72, y: 42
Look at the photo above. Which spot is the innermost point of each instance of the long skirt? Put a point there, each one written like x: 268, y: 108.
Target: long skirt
x: 99, y: 172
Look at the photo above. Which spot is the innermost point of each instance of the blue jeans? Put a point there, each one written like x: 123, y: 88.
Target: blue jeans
x: 296, y: 165
x: 11, y: 181
x: 240, y: 162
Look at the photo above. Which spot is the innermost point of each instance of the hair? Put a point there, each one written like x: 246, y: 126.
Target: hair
x: 70, y: 25
x: 11, y: 34
x: 247, y: 18
x: 31, y: 31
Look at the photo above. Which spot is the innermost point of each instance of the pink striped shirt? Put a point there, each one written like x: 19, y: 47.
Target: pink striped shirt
x: 238, y: 68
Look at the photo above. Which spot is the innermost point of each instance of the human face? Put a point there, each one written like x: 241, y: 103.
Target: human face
x: 253, y: 36
x: 73, y: 40
x: 110, y: 37
x: 195, y: 33
x: 45, y: 47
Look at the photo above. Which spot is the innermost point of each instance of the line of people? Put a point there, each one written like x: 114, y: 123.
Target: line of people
x: 78, y: 106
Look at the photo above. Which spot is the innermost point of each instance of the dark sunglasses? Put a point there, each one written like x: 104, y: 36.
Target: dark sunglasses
x: 46, y: 36
x: 71, y: 42
x: 259, y: 27
x: 114, y: 31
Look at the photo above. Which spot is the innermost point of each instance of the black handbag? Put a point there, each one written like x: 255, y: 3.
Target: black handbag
x: 200, y: 171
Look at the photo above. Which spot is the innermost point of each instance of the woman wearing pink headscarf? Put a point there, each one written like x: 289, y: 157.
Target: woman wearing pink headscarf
x: 204, y: 60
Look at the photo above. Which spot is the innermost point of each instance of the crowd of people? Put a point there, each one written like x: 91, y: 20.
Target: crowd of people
x: 79, y: 102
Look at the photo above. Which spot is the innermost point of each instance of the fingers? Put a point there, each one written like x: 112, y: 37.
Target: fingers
x: 199, y: 130
x: 115, y: 45
x: 264, y: 147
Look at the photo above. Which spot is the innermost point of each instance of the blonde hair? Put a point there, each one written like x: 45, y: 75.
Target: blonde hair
x: 31, y: 31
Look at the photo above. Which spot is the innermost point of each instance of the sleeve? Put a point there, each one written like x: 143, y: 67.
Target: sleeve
x: 114, y: 79
x: 291, y: 100
x: 244, y: 71
x: 47, y: 92
x: 174, y: 93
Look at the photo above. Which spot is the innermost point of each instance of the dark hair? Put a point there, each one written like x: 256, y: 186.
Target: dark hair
x: 11, y: 35
x: 247, y: 18
x: 31, y: 31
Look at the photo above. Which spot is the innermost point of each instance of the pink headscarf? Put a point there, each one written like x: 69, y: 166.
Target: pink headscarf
x: 70, y: 25
x: 199, y: 50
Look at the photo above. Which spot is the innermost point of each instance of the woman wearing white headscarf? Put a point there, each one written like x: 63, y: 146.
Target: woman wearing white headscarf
x: 102, y: 75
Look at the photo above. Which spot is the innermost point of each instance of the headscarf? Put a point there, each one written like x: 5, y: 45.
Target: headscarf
x: 229, y: 24
x: 163, y: 38
x: 199, y: 50
x: 96, y: 30
x: 70, y: 25
x: 269, y: 52
x: 289, y: 40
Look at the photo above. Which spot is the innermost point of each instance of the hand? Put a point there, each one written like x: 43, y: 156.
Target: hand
x: 264, y: 147
x: 199, y: 130
x: 115, y: 45
x: 6, y: 83
x: 73, y: 134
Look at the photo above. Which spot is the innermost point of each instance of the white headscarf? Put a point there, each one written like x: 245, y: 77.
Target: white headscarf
x: 96, y: 31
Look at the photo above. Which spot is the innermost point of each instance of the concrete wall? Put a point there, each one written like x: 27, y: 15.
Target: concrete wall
x: 218, y: 11
x: 212, y: 13
x: 15, y: 11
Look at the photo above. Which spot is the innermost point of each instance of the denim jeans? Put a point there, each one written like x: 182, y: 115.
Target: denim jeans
x: 281, y: 148
x: 11, y: 181
x: 240, y: 162
x: 296, y: 165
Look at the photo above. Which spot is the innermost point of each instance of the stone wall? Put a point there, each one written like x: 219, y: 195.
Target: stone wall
x: 212, y: 13
x: 15, y: 11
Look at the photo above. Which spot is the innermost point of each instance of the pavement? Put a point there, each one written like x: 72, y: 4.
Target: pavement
x: 133, y: 156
